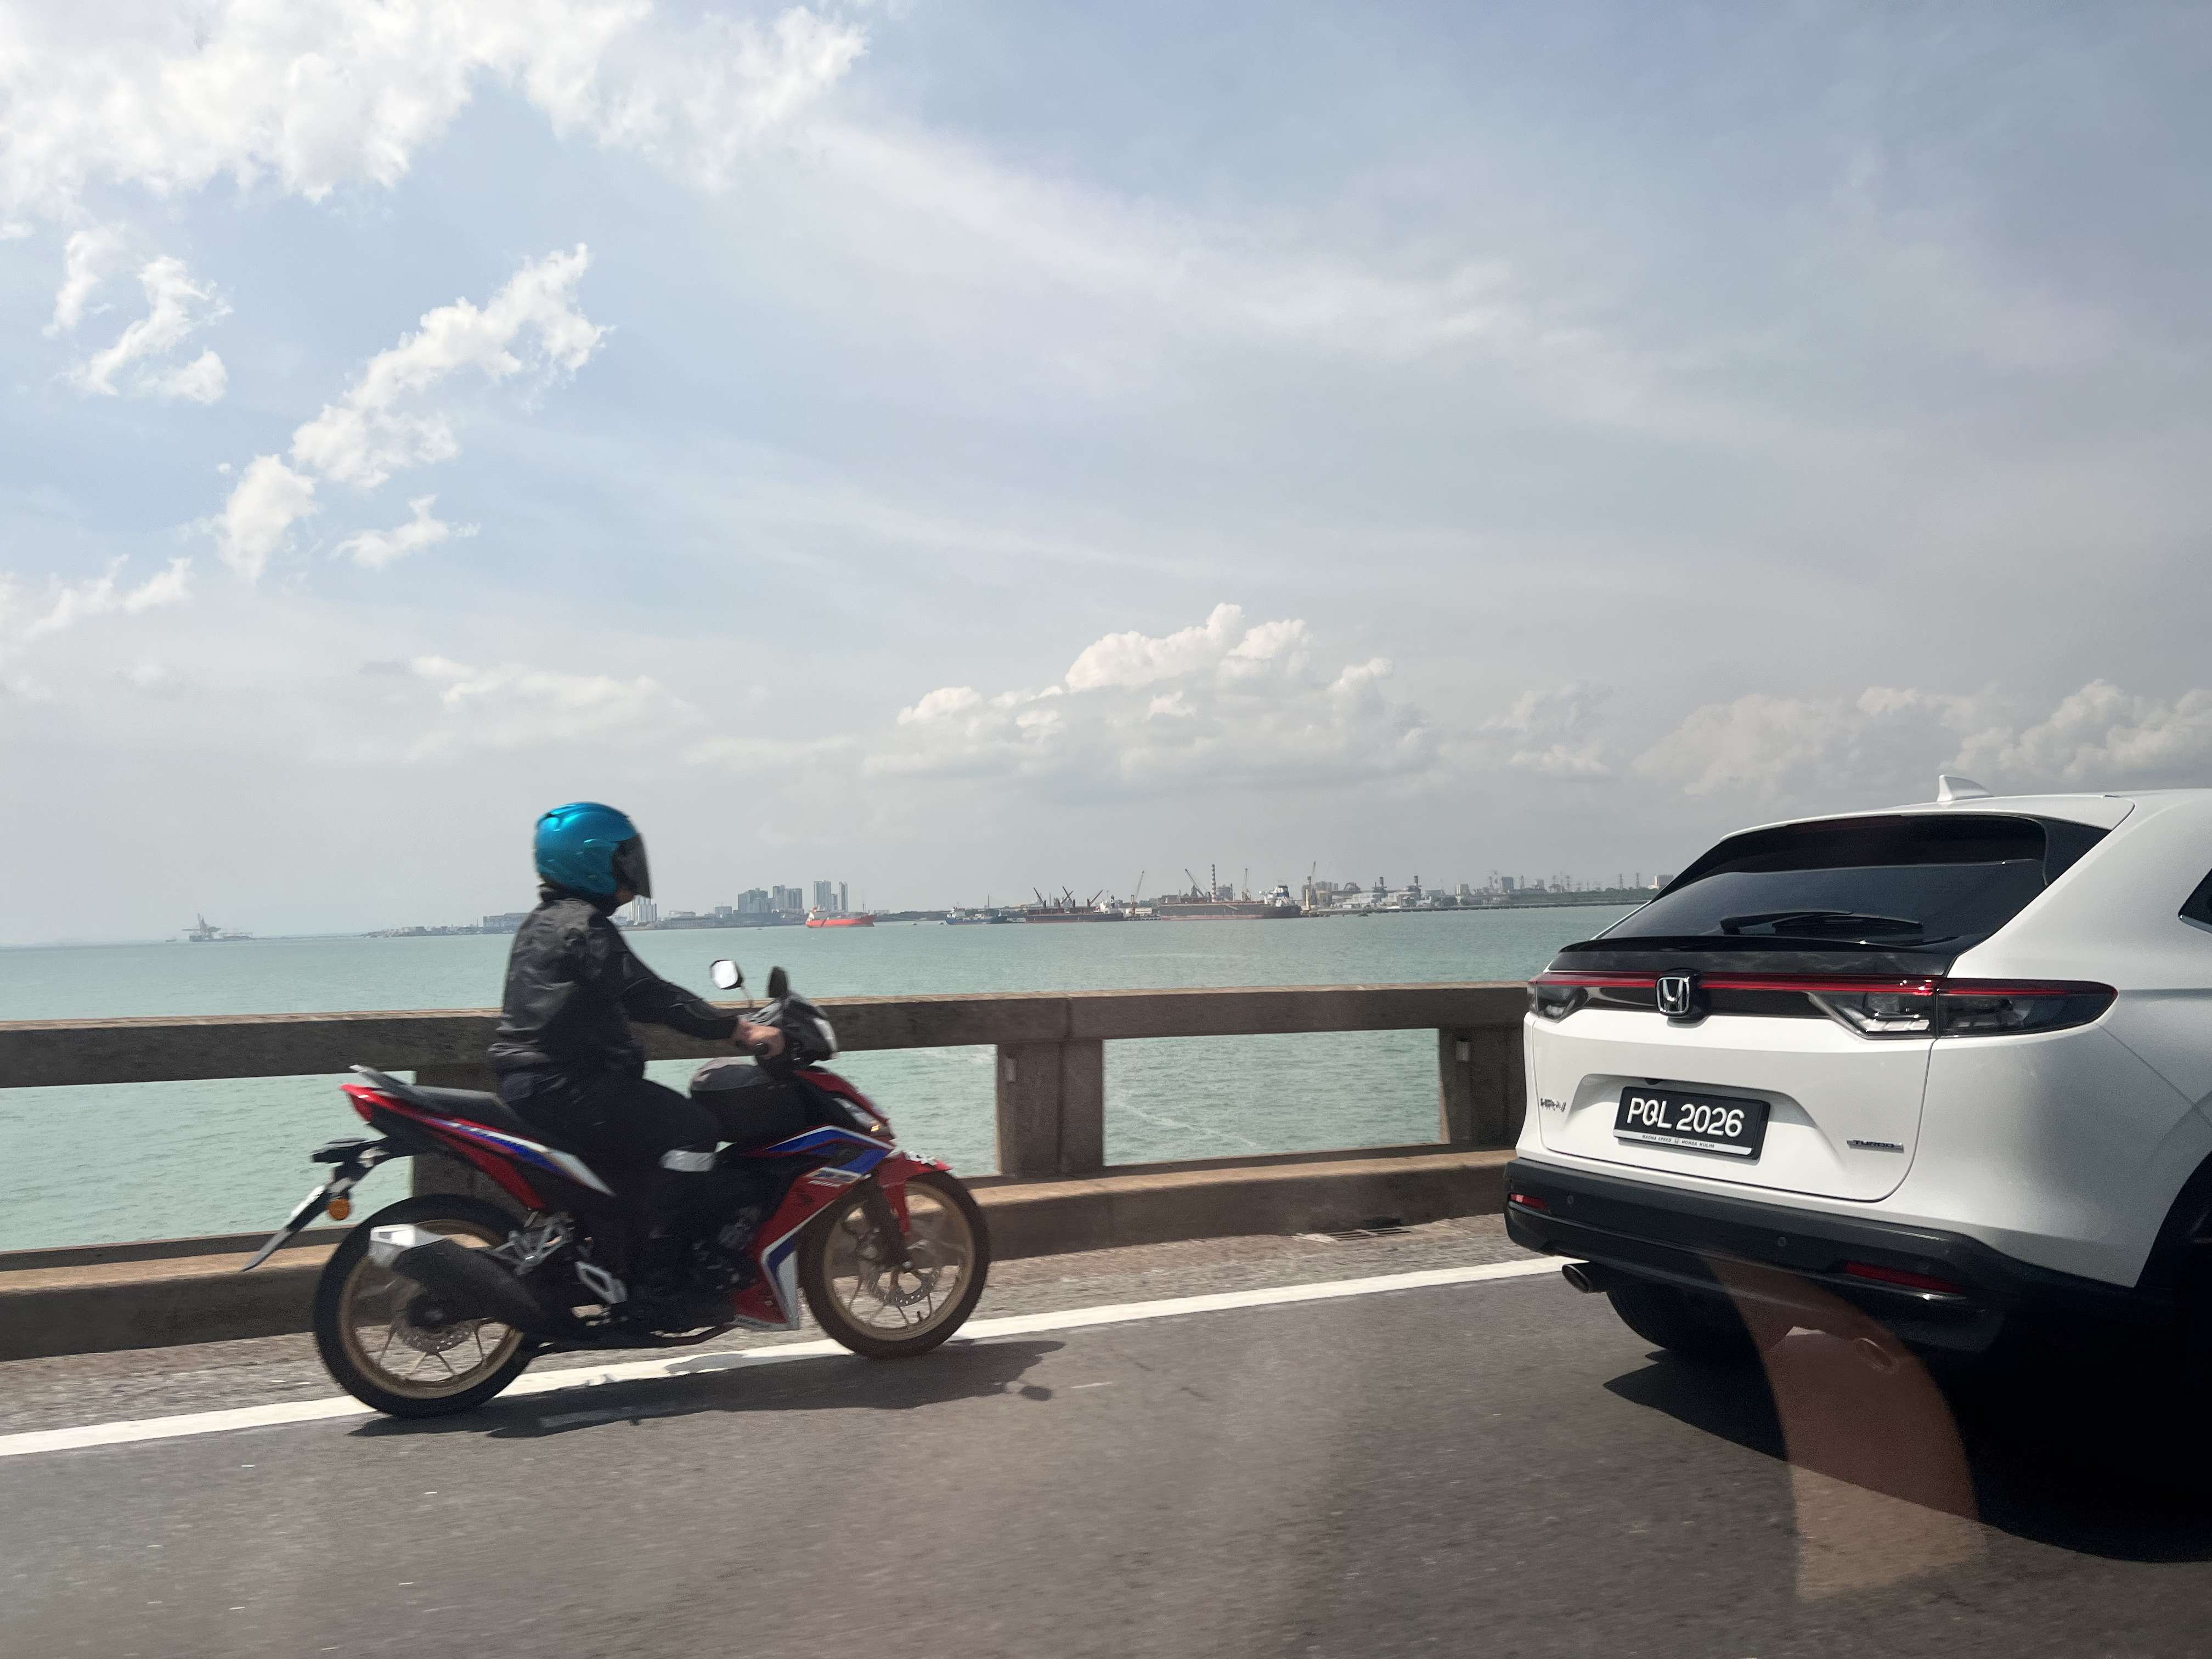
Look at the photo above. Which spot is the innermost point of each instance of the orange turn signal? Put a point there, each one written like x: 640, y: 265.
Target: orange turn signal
x: 341, y: 1208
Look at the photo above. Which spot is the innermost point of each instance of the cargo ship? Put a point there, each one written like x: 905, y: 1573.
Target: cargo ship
x: 1196, y: 906
x: 816, y: 919
x: 1064, y: 909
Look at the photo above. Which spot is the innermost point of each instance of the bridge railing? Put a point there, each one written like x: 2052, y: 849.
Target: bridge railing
x: 1050, y: 1071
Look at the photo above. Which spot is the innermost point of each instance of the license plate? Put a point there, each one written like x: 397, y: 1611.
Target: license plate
x: 1702, y: 1122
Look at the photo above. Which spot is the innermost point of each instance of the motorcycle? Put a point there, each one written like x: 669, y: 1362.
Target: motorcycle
x: 437, y: 1302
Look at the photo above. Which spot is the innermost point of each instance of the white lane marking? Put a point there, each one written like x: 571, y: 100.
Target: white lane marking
x: 278, y: 1415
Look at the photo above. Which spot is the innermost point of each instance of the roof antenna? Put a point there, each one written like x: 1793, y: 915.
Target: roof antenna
x: 1948, y: 789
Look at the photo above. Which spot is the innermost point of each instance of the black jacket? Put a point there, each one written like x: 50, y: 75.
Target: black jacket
x: 572, y: 988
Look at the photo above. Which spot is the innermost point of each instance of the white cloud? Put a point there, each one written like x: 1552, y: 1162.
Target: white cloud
x: 1791, y: 752
x: 309, y: 95
x: 87, y: 259
x: 202, y: 380
x: 380, y: 426
x: 532, y: 323
x: 176, y: 309
x: 1554, y: 732
x: 1889, y: 744
x: 513, y: 707
x: 938, y: 208
x: 1213, y: 704
x: 61, y: 606
x: 1135, y: 659
x: 2100, y: 738
x: 269, y: 499
x: 377, y: 548
x: 697, y: 100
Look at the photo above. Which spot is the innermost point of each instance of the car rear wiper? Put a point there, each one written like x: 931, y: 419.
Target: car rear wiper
x: 1831, y: 924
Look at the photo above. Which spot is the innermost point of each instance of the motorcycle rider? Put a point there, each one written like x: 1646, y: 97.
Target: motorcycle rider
x: 569, y: 1064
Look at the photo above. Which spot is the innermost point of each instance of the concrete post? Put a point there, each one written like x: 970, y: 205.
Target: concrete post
x: 433, y: 1174
x: 1052, y: 1108
x: 1481, y: 1086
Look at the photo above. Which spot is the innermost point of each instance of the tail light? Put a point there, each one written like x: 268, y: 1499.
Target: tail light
x: 1963, y: 1007
x: 1922, y: 1007
x: 1556, y: 995
x: 1911, y: 1281
x: 1550, y: 1000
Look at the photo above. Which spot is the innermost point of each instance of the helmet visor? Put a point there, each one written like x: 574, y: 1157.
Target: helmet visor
x: 630, y: 869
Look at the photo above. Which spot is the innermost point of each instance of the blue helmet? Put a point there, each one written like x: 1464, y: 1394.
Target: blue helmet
x: 592, y: 849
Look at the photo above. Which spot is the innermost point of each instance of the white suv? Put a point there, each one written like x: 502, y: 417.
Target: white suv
x: 1947, y: 1065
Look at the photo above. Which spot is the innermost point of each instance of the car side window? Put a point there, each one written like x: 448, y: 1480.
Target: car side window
x: 2199, y: 907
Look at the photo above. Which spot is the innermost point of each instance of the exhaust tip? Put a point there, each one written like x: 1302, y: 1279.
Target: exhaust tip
x: 1579, y: 1276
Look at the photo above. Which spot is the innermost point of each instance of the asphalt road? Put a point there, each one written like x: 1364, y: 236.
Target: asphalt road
x: 1497, y: 1468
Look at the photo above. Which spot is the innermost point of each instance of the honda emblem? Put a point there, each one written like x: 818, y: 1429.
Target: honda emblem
x: 1674, y: 991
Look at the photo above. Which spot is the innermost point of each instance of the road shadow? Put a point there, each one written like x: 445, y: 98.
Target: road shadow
x: 966, y: 1371
x: 2101, y: 1454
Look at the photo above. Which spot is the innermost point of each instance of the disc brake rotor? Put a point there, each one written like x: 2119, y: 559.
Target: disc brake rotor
x: 433, y: 1338
x: 892, y: 1290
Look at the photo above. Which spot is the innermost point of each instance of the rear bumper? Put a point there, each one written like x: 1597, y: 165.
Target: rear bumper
x: 1793, y: 1261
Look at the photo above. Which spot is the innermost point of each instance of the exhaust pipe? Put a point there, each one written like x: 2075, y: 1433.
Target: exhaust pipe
x: 467, y: 1284
x: 1594, y: 1278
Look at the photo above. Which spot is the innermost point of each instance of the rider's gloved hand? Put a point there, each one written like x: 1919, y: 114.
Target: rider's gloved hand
x: 759, y: 1039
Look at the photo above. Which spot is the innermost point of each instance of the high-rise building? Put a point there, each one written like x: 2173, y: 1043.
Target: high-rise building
x: 844, y: 905
x: 753, y: 902
x: 825, y: 896
x: 786, y: 899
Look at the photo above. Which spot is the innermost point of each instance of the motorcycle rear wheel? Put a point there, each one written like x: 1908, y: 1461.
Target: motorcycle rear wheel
x: 863, y: 1300
x: 371, y: 1335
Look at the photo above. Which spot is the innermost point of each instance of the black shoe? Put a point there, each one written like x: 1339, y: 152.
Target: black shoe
x: 670, y: 1296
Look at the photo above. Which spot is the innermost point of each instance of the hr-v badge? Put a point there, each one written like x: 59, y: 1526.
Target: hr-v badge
x: 1674, y: 992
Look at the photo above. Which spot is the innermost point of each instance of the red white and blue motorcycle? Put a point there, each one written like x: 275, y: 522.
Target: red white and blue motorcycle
x: 437, y: 1302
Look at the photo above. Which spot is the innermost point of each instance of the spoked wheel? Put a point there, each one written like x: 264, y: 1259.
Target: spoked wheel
x: 385, y: 1338
x: 861, y: 1295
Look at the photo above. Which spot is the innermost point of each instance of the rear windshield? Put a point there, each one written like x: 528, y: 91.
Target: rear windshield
x: 1903, y: 883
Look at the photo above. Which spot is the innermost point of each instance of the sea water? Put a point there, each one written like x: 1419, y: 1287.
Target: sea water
x: 155, y: 1160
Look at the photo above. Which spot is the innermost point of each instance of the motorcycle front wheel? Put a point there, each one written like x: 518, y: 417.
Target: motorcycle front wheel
x: 384, y: 1338
x: 861, y: 1296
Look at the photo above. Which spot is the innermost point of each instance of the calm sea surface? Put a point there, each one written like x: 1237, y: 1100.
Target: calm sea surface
x: 166, y: 1160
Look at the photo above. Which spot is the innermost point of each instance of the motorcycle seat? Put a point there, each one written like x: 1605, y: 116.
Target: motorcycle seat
x: 470, y: 1105
x: 474, y: 1106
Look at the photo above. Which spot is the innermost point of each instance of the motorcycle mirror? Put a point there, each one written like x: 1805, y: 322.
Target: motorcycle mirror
x: 726, y: 975
x: 779, y: 982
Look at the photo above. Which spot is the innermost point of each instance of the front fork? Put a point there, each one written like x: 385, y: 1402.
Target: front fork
x: 885, y: 1215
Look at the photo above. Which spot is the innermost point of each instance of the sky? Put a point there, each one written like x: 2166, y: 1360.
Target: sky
x: 956, y: 447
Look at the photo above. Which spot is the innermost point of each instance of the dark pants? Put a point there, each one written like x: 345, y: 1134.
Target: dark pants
x: 627, y: 1129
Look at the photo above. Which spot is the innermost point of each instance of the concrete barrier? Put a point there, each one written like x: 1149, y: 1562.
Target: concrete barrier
x: 1054, y: 1191
x: 102, y: 1298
